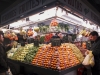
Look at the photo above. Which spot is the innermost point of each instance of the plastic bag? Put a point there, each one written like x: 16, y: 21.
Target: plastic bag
x: 89, y: 60
x: 92, y: 61
x: 86, y: 60
x: 9, y: 72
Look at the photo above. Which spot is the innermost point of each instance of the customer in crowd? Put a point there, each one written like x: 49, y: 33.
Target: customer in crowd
x: 70, y: 38
x: 3, y: 56
x: 95, y: 48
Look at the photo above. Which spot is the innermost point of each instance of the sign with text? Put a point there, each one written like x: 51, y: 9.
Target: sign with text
x: 31, y: 5
x: 23, y: 8
x: 79, y: 7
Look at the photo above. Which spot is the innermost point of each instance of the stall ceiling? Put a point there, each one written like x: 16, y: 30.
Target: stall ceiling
x: 4, y: 4
x: 95, y: 3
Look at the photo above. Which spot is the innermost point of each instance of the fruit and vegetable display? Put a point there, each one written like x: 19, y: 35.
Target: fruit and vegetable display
x: 22, y: 31
x: 48, y: 37
x: 54, y: 25
x: 30, y: 55
x: 54, y: 22
x: 76, y: 51
x: 25, y: 53
x: 30, y: 32
x: 42, y: 39
x: 11, y: 35
x: 20, y: 53
x: 36, y: 29
x: 44, y: 28
x: 84, y: 33
x: 11, y: 52
x: 58, y: 58
x: 63, y: 27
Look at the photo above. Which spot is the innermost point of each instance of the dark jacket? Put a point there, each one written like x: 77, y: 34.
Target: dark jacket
x: 20, y: 38
x: 3, y: 58
x: 96, y: 52
x: 6, y: 41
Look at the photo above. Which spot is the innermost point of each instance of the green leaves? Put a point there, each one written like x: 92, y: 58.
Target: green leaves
x: 30, y: 55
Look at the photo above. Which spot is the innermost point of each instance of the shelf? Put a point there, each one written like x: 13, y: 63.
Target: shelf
x: 29, y: 68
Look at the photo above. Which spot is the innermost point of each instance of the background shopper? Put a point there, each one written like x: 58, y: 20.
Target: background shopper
x: 3, y: 55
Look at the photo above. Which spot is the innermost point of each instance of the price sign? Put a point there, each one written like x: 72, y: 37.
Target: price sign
x: 36, y: 43
x: 55, y: 41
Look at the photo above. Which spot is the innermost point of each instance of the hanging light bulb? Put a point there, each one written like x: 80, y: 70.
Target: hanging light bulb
x: 56, y: 10
x: 27, y: 19
x: 66, y: 12
x: 62, y: 10
x: 83, y: 19
x: 86, y: 21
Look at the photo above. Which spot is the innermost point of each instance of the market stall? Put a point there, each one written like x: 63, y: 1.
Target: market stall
x: 49, y: 41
